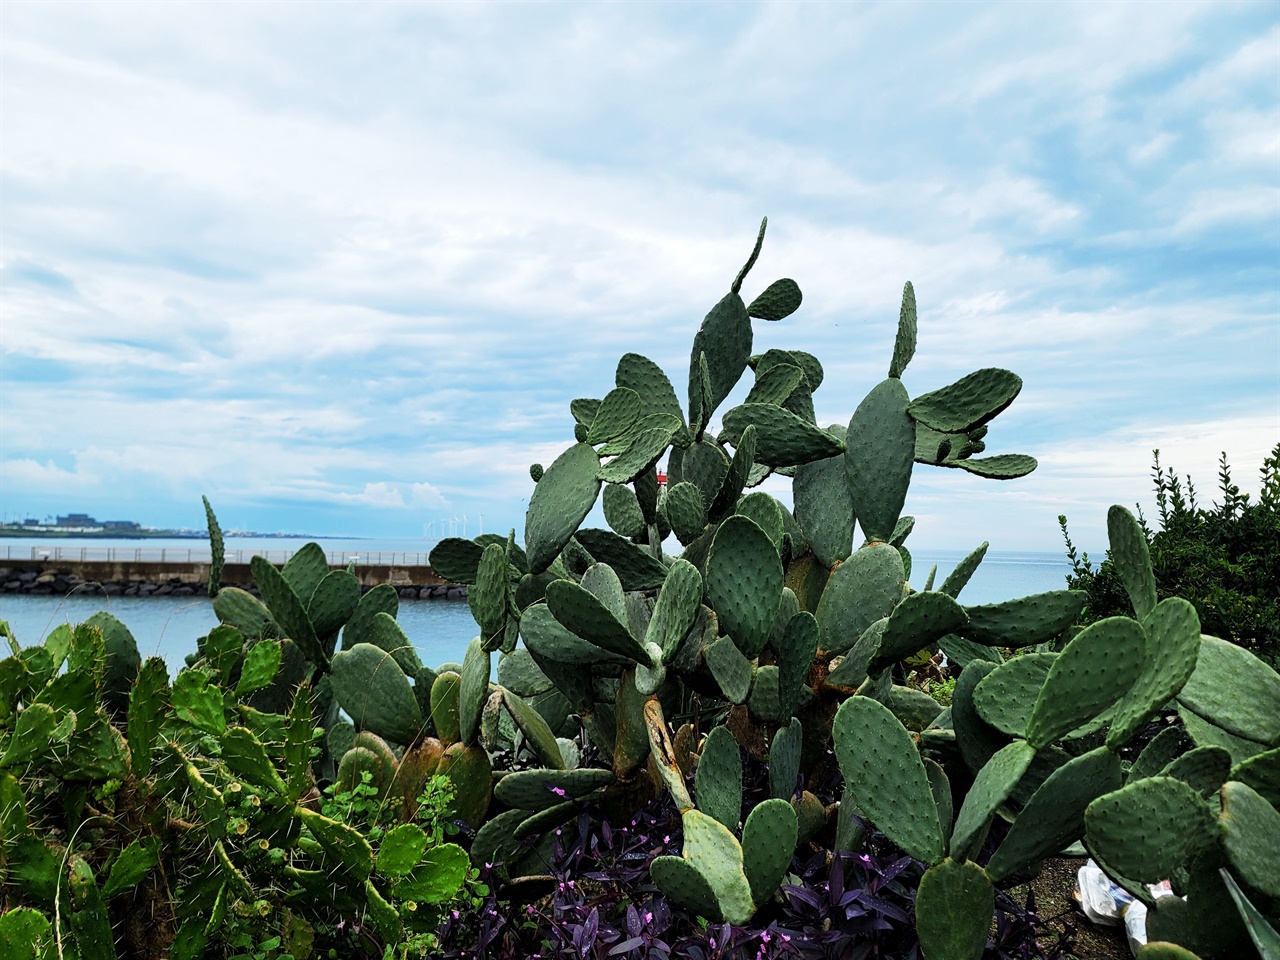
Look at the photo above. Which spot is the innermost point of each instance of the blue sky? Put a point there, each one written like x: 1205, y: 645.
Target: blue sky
x: 342, y: 267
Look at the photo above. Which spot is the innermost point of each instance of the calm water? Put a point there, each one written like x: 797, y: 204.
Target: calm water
x: 440, y: 629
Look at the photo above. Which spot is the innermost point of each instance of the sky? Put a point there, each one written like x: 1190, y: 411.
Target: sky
x: 342, y: 267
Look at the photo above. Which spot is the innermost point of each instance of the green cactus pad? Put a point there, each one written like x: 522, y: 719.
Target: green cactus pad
x: 964, y: 570
x: 1006, y: 698
x: 343, y: 843
x: 778, y: 301
x: 470, y: 774
x: 1162, y: 749
x: 862, y: 590
x: 519, y: 673
x: 730, y: 668
x: 706, y: 466
x: 725, y: 339
x: 246, y: 756
x: 686, y: 512
x: 560, y: 502
x: 1262, y: 773
x: 764, y: 701
x: 457, y: 560
x: 613, y: 418
x: 496, y: 840
x: 1148, y: 829
x: 717, y: 855
x: 1251, y: 836
x: 636, y: 568
x: 488, y: 597
x: 796, y: 649
x: 535, y: 729
x: 242, y: 610
x: 954, y: 906
x: 1025, y: 621
x: 879, y: 452
x: 1206, y: 922
x: 940, y: 786
x: 676, y: 608
x: 639, y: 373
x: 589, y: 618
x: 992, y: 786
x: 744, y: 583
x: 1173, y: 643
x: 914, y: 708
x: 682, y: 883
x: 1132, y: 559
x: 904, y: 344
x: 383, y: 632
x: 287, y: 608
x: 1054, y: 816
x: 622, y: 510
x: 333, y: 603
x: 1093, y: 672
x: 541, y: 789
x: 1006, y: 466
x: 851, y: 670
x: 1204, y: 769
x: 775, y: 383
x: 473, y: 691
x: 917, y: 622
x: 718, y: 782
x: 782, y: 438
x: 375, y: 693
x: 446, y: 690
x: 1205, y: 734
x: 765, y: 512
x: 885, y: 777
x: 1234, y: 690
x: 122, y: 659
x: 969, y: 402
x: 1163, y: 950
x: 784, y: 759
x: 643, y: 449
x: 768, y: 842
x: 824, y: 509
x: 548, y: 639
x: 962, y: 652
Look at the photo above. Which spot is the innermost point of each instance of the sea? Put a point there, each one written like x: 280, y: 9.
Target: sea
x: 440, y: 629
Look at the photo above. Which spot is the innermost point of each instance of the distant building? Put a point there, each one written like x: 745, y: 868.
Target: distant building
x: 31, y: 522
x: 76, y: 520
x: 126, y: 525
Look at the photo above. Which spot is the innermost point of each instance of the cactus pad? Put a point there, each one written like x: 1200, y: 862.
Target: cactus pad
x: 718, y: 782
x: 885, y: 777
x: 1025, y: 621
x: 744, y: 583
x: 1093, y: 671
x: 1132, y: 559
x: 778, y: 301
x: 954, y: 906
x: 636, y: 568
x: 1251, y: 835
x: 1054, y: 816
x: 969, y: 402
x: 548, y: 639
x: 784, y: 759
x: 1262, y: 773
x: 445, y: 716
x: 1006, y: 696
x: 622, y: 510
x: 766, y: 513
x: 470, y: 773
x: 473, y: 691
x: 592, y: 620
x: 904, y: 344
x: 287, y: 608
x: 862, y: 590
x: 725, y: 339
x: 617, y: 412
x: 540, y: 789
x: 676, y: 608
x: 879, y: 452
x: 456, y: 560
x: 775, y: 383
x: 1173, y: 643
x: 782, y: 438
x: 730, y: 668
x: 917, y: 622
x: 824, y: 509
x: 375, y: 693
x: 686, y: 512
x: 560, y: 502
x: 717, y: 855
x: 642, y: 450
x: 1234, y: 690
x: 992, y: 786
x: 796, y: 649
x: 1148, y: 829
x: 1204, y: 769
x: 768, y: 841
x: 639, y: 373
x: 537, y: 734
x: 682, y: 882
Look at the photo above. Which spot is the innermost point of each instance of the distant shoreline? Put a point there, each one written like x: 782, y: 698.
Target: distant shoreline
x: 36, y: 533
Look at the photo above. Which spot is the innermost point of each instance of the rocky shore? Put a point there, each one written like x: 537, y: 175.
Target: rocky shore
x: 61, y: 583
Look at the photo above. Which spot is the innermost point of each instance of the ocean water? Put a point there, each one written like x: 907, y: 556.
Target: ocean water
x: 439, y: 629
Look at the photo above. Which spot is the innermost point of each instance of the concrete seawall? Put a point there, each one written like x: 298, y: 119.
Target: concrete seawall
x: 145, y: 578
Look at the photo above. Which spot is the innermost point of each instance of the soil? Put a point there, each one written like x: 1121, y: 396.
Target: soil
x: 1056, y: 902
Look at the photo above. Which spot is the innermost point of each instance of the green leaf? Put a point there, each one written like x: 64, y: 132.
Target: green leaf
x: 135, y: 862
x: 561, y: 500
x: 401, y: 849
x: 198, y: 703
x: 261, y: 664
x: 438, y: 878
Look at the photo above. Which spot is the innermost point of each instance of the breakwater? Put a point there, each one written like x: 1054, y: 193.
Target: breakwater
x: 143, y: 578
